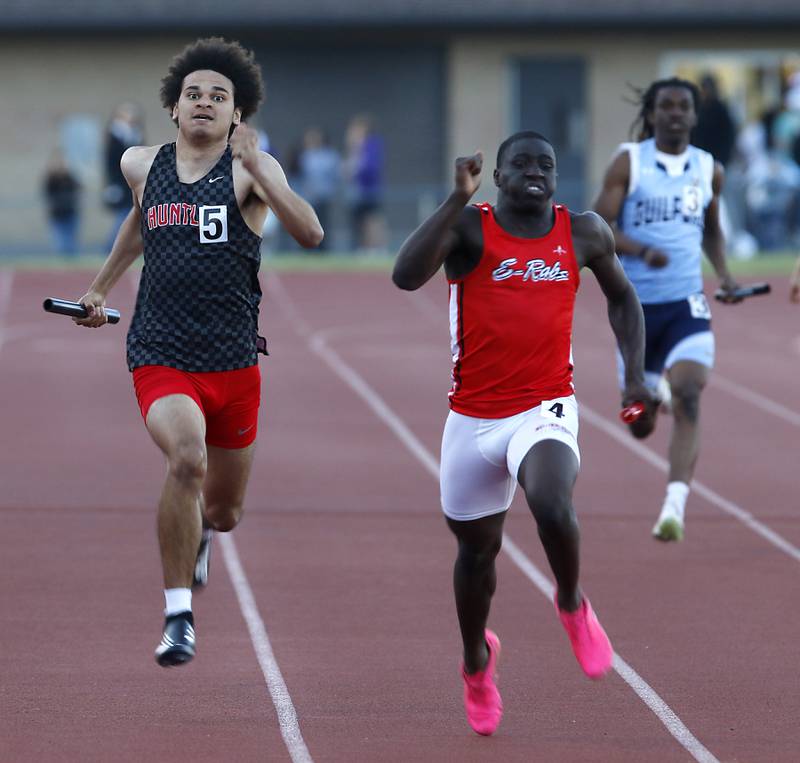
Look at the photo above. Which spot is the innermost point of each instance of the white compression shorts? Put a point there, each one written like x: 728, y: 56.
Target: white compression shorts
x: 481, y: 457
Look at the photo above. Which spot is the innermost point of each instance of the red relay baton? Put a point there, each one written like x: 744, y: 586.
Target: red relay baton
x: 631, y: 413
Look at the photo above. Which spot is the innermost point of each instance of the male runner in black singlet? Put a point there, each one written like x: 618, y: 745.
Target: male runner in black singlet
x: 198, y: 205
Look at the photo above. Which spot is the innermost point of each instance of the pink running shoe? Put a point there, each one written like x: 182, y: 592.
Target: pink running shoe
x: 481, y: 698
x: 589, y: 641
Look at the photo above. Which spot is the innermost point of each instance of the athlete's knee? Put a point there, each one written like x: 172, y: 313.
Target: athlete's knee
x: 551, y: 505
x: 187, y: 463
x: 478, y: 558
x: 479, y: 552
x: 224, y: 517
x: 686, y: 399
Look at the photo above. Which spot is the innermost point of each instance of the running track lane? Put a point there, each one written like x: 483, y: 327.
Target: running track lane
x: 350, y: 563
x: 81, y: 594
x: 722, y: 670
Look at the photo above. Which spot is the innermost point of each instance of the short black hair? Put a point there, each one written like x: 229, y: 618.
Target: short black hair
x: 522, y: 135
x: 228, y: 58
x: 646, y: 100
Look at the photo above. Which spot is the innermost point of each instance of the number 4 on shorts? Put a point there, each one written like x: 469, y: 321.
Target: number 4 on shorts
x: 557, y: 409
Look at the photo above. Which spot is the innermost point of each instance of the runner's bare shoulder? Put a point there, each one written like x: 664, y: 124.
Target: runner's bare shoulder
x: 588, y: 224
x: 591, y: 236
x: 136, y: 163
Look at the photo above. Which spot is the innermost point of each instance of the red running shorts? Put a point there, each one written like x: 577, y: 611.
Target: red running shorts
x: 228, y: 399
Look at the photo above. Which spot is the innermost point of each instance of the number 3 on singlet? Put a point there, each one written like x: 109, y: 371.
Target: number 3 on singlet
x: 213, y: 224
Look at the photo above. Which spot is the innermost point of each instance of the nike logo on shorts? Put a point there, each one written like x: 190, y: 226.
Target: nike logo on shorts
x: 244, y: 431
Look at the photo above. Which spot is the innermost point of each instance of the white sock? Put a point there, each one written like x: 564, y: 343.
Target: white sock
x: 178, y: 600
x: 677, y: 493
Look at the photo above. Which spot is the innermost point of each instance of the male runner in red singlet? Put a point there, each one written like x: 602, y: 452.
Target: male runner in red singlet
x: 513, y: 271
x: 198, y: 207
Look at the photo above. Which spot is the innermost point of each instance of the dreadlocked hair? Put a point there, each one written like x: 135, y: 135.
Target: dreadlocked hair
x: 646, y: 101
x: 219, y: 55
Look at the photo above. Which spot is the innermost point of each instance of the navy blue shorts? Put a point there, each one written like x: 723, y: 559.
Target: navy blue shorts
x: 669, y: 323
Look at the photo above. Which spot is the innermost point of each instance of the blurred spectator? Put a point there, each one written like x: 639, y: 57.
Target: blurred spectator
x: 364, y: 172
x: 62, y: 198
x: 786, y: 128
x: 125, y: 129
x: 772, y: 182
x: 265, y: 144
x: 319, y: 176
x: 715, y: 131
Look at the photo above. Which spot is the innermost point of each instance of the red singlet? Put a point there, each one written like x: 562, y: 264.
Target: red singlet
x: 511, y: 321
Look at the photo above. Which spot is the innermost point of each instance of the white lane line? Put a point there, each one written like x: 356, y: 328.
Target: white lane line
x: 21, y: 331
x: 287, y: 716
x: 716, y: 379
x: 754, y: 398
x: 317, y: 343
x: 643, y: 690
x: 278, y: 691
x: 728, y: 507
x: 74, y: 347
x: 426, y: 304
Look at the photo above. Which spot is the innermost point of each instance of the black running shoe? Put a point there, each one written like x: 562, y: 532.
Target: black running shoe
x: 203, y: 561
x: 177, y: 641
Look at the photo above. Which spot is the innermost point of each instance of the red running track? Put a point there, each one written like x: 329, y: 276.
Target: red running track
x: 349, y: 560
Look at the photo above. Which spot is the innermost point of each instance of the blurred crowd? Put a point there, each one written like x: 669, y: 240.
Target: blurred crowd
x: 345, y: 180
x: 62, y: 187
x: 323, y: 176
x: 762, y: 163
x: 349, y: 182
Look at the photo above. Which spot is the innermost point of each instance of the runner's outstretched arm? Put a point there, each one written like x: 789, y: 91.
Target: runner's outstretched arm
x: 624, y: 309
x: 714, y: 239
x: 424, y: 251
x: 294, y: 212
x: 126, y: 248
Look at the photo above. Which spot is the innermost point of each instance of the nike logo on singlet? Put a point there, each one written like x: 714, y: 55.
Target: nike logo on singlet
x: 214, y: 180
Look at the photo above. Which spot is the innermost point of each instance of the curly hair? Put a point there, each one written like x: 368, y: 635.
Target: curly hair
x: 219, y: 55
x: 646, y: 101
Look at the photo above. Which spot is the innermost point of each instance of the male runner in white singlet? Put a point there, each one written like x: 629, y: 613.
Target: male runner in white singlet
x: 661, y: 197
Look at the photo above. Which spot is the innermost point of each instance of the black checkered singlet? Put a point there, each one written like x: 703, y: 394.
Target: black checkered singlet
x: 197, y: 307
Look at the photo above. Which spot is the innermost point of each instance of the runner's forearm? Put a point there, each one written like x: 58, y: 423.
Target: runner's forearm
x: 298, y: 217
x: 423, y: 252
x: 714, y: 247
x: 627, y: 321
x: 126, y: 249
x: 295, y: 214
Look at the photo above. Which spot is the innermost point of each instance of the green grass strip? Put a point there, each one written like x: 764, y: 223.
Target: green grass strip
x: 763, y: 266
